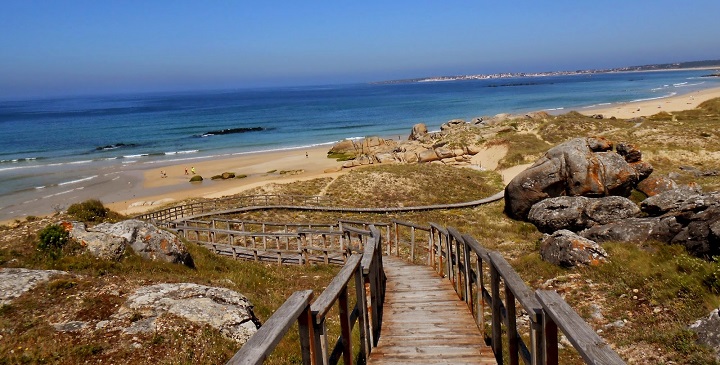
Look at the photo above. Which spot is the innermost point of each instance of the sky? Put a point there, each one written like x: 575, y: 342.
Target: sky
x: 73, y: 47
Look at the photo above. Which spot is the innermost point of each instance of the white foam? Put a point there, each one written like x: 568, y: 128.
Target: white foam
x: 77, y: 181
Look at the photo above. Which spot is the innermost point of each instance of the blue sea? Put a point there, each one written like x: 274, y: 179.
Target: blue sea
x: 56, y: 146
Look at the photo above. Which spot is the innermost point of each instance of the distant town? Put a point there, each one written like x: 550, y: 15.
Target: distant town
x: 664, y: 66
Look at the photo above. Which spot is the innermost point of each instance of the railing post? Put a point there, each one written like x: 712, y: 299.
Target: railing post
x: 345, y: 326
x: 412, y: 244
x: 307, y: 337
x: 550, y: 343
x: 397, y: 235
x: 468, y: 269
x: 321, y: 345
x: 511, y: 326
x: 361, y: 302
x: 536, y: 338
x: 496, y: 314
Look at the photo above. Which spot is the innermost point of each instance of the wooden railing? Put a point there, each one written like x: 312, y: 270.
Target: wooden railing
x: 187, y: 210
x: 366, y: 272
x: 470, y: 266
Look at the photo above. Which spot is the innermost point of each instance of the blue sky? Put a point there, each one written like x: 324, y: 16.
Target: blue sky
x: 51, y: 48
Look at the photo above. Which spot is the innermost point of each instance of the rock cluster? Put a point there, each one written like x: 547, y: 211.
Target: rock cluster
x: 109, y: 241
x: 421, y: 147
x: 580, y: 167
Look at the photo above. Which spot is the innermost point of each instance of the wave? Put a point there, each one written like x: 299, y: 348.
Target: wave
x: 559, y: 108
x: 594, y: 105
x: 77, y: 181
x: 232, y: 131
x: 181, y: 152
x: 655, y: 98
x: 18, y: 160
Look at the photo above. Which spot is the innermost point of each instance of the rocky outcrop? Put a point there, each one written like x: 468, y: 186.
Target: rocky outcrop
x: 680, y: 216
x: 16, y: 281
x: 109, y: 241
x: 148, y: 241
x: 577, y: 212
x: 565, y: 248
x: 452, y: 124
x: 580, y: 167
x: 99, y: 244
x: 223, y: 309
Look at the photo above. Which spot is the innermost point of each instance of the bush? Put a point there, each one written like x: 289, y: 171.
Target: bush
x: 196, y: 178
x: 91, y: 210
x: 53, y: 238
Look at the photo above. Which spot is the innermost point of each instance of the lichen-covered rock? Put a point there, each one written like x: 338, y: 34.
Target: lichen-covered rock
x: 223, y: 309
x: 565, y: 248
x: 16, y: 281
x: 428, y: 155
x: 655, y: 185
x: 99, y: 244
x: 149, y: 241
x: 579, y: 167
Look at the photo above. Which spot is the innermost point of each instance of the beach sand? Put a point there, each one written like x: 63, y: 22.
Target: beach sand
x: 650, y: 107
x: 260, y: 168
x: 140, y: 188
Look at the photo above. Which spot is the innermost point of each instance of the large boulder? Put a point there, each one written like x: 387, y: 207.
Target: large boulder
x: 565, y: 248
x: 576, y: 213
x: 223, y: 309
x: 148, y: 241
x: 579, y: 167
x: 419, y: 132
x: 708, y: 331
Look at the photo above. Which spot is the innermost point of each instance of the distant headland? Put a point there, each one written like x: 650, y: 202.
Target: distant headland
x: 654, y: 67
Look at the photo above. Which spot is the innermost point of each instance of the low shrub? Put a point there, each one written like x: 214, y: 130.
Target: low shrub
x: 52, y: 239
x: 91, y: 210
x: 196, y: 178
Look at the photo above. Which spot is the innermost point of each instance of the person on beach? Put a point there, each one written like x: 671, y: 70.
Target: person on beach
x: 306, y: 155
x: 193, y: 170
x: 186, y: 172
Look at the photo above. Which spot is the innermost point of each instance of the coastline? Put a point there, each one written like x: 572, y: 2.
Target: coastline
x: 644, y: 108
x: 137, y: 188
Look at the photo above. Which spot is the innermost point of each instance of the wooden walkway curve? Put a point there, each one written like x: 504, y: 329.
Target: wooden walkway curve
x: 424, y: 321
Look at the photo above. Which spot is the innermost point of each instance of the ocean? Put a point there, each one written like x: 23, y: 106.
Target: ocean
x: 54, y: 146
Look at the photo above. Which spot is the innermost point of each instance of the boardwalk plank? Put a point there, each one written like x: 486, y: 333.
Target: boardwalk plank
x: 424, y: 322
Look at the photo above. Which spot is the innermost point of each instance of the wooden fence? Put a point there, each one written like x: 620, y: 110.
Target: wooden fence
x: 366, y: 271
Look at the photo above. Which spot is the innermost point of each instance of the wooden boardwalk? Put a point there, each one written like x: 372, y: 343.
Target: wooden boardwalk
x: 424, y: 321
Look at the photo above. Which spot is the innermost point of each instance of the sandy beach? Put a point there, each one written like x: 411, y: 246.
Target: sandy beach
x: 142, y: 188
x: 650, y: 107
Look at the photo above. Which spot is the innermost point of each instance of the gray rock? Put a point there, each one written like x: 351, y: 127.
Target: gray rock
x: 428, y: 156
x: 610, y: 209
x: 149, y: 241
x: 666, y: 201
x: 16, y: 281
x: 223, y: 309
x: 634, y: 230
x: 70, y: 326
x: 103, y: 245
x: 451, y: 124
x: 565, y: 248
x: 708, y: 331
x: 576, y: 213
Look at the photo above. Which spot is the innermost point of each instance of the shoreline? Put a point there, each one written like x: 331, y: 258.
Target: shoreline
x: 135, y: 189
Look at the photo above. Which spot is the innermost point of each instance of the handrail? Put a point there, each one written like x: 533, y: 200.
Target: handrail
x: 467, y: 264
x: 557, y: 313
x: 259, y: 346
